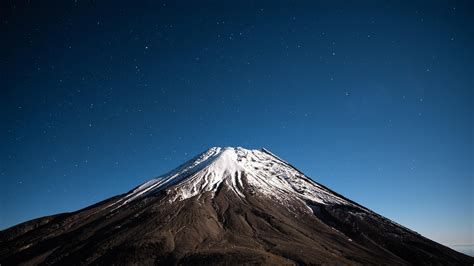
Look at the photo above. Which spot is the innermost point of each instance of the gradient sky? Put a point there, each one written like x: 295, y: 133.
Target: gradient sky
x: 374, y: 99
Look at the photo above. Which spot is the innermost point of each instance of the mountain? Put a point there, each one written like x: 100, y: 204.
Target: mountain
x: 225, y: 206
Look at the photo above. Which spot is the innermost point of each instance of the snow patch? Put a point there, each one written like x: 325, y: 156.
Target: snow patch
x: 265, y: 172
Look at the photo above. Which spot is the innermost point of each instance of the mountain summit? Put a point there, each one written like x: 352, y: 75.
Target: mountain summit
x: 225, y: 206
x: 264, y: 173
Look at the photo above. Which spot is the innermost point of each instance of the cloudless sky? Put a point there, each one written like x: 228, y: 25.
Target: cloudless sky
x: 373, y: 99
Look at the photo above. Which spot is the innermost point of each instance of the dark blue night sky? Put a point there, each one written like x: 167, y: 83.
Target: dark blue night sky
x: 374, y: 99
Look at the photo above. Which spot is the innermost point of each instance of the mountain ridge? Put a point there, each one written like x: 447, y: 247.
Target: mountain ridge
x: 224, y: 206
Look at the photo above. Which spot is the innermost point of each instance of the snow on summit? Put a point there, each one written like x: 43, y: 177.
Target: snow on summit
x: 264, y: 173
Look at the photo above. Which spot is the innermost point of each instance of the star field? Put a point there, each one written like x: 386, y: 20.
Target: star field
x: 371, y: 99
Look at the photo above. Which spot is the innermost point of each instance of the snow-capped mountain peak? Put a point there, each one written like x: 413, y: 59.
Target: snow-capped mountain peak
x: 225, y: 206
x: 239, y: 169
